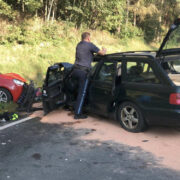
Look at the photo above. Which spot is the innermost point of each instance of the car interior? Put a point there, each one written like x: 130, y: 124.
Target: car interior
x: 172, y: 68
x: 118, y: 74
x: 141, y: 73
x: 106, y: 72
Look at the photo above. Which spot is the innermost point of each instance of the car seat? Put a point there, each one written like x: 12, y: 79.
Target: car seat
x: 135, y: 73
x: 136, y: 70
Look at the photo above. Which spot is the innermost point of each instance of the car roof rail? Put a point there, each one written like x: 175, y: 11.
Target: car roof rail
x: 128, y: 53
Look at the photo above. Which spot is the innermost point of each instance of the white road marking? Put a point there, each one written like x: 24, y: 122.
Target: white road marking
x: 15, y: 123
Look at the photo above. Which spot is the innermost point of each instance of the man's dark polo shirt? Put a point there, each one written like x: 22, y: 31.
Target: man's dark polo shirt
x: 84, y: 53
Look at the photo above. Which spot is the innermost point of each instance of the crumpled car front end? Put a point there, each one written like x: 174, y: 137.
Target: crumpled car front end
x: 27, y: 97
x: 53, y: 93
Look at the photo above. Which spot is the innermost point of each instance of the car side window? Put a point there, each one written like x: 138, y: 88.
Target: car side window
x: 107, y: 72
x: 94, y: 65
x: 141, y: 72
x: 119, y: 68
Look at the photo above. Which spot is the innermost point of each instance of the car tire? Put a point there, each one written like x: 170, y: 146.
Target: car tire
x: 50, y: 105
x: 5, y: 95
x: 46, y: 108
x: 131, y: 117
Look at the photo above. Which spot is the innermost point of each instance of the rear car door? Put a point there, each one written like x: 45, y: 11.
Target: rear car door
x: 144, y: 86
x: 101, y: 87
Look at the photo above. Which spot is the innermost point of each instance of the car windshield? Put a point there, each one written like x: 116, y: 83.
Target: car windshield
x: 174, y: 40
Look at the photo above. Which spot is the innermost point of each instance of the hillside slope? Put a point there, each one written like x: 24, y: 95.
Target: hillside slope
x: 44, y: 44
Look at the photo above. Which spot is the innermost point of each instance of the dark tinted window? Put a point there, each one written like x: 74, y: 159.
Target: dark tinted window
x: 141, y: 72
x: 107, y: 72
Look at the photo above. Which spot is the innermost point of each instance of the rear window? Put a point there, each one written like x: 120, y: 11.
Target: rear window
x: 175, y: 65
x: 172, y: 68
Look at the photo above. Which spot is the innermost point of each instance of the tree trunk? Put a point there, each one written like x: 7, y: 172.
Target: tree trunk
x: 50, y: 10
x: 45, y: 10
x: 119, y: 29
x: 135, y: 15
x: 127, y: 14
x: 54, y: 11
x: 160, y: 20
x: 22, y: 3
x: 70, y: 17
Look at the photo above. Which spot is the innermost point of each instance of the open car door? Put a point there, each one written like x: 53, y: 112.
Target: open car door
x: 53, y: 95
x: 101, y: 88
x: 169, y: 53
x: 171, y: 42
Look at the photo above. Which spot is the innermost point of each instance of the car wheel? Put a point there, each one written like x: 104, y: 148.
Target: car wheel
x: 130, y: 117
x: 5, y: 95
x: 63, y: 98
x: 49, y: 106
x: 46, y: 108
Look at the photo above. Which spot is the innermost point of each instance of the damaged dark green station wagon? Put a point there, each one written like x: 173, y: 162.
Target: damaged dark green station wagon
x: 137, y: 88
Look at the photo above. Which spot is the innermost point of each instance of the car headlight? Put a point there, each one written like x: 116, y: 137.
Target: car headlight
x: 17, y: 82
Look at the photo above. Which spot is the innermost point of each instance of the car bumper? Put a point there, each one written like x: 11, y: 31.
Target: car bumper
x: 27, y: 97
x: 163, y: 117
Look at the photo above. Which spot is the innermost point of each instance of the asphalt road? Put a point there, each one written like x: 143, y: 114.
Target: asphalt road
x: 37, y: 150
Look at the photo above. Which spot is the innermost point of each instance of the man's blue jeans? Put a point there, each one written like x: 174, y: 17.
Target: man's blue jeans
x: 82, y: 77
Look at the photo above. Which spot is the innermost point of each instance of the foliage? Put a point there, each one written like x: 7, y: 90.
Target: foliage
x: 126, y: 18
x: 6, y: 10
x: 40, y: 32
x: 8, y: 107
x: 24, y: 34
x: 33, y: 5
x: 43, y: 45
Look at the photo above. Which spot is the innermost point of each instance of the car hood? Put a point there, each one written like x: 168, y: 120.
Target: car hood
x: 171, y: 42
x: 12, y: 76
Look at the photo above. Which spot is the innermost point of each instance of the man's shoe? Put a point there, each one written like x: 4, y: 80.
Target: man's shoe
x: 80, y: 116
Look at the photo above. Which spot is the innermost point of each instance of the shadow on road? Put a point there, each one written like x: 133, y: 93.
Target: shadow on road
x: 56, y: 151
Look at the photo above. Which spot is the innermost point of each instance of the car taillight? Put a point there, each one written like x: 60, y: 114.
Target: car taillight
x: 174, y: 98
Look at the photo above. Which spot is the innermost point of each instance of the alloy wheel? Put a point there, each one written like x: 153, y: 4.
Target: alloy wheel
x: 3, y: 97
x: 129, y: 117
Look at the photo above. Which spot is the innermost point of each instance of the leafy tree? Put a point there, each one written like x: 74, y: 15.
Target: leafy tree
x: 6, y: 10
x: 127, y: 18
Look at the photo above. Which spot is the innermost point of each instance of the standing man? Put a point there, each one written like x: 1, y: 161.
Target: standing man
x: 82, y: 66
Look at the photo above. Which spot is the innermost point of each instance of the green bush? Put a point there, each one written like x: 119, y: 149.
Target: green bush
x: 14, y: 35
x: 6, y: 10
x: 130, y: 32
x: 22, y: 34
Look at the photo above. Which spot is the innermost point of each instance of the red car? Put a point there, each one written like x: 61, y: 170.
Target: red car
x: 14, y: 88
x: 11, y: 87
